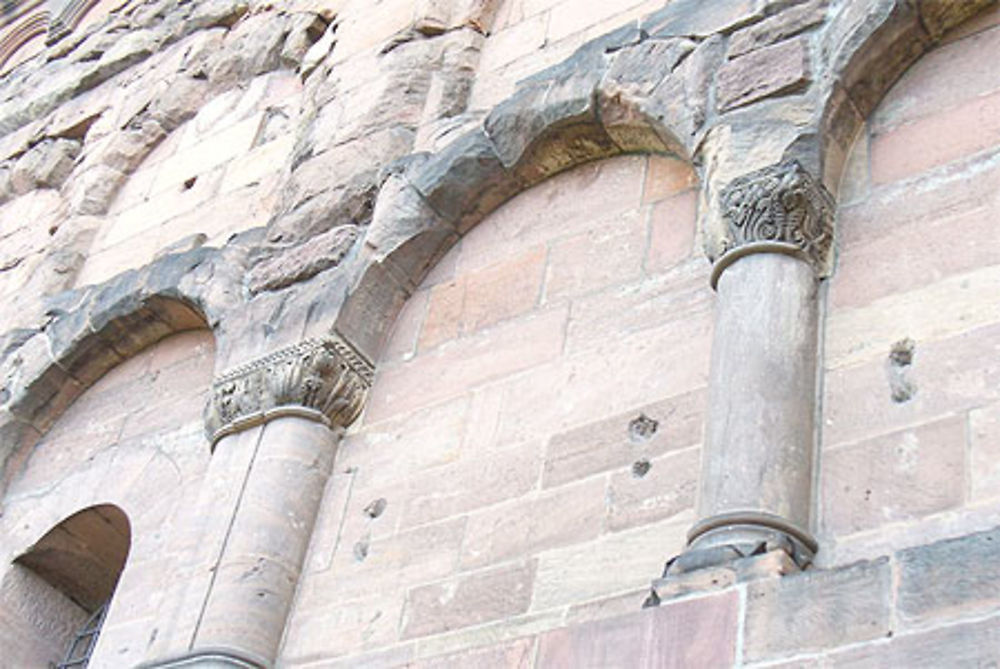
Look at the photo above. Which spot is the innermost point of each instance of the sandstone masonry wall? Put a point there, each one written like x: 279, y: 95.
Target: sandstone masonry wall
x: 133, y: 439
x: 482, y: 226
x: 911, y: 342
x: 525, y: 483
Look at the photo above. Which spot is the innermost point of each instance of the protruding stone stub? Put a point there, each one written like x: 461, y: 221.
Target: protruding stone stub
x: 326, y: 380
x: 777, y: 209
x: 734, y: 547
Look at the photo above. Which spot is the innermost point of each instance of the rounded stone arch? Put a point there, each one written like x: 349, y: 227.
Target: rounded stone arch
x: 558, y: 119
x: 911, y: 335
x: 73, y: 14
x: 132, y: 437
x: 57, y: 588
x: 24, y: 32
x: 545, y: 387
x: 871, y: 45
x: 92, y: 330
x: 83, y: 555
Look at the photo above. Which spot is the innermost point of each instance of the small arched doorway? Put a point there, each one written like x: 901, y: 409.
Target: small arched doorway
x: 82, y: 559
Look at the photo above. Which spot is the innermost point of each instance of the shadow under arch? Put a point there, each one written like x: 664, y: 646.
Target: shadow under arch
x: 57, y: 590
x: 83, y: 556
x: 92, y: 330
x: 877, y: 43
x: 560, y: 118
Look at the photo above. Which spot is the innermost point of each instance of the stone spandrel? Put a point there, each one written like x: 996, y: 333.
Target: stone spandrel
x: 777, y: 209
x: 324, y: 379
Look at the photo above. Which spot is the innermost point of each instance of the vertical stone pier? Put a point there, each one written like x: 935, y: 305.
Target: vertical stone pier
x: 757, y: 464
x: 287, y: 411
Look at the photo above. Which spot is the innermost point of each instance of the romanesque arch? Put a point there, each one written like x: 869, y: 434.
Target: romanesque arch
x: 110, y: 451
x: 913, y: 331
x: 57, y: 591
x: 763, y: 99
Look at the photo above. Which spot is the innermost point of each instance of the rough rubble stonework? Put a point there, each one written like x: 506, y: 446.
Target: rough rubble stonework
x: 418, y: 269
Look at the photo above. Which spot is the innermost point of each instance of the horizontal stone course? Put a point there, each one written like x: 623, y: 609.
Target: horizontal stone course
x: 652, y: 490
x: 951, y: 376
x: 469, y: 600
x: 816, y: 610
x: 458, y: 488
x: 911, y: 148
x: 955, y: 578
x: 607, y: 444
x: 772, y: 70
x: 698, y: 632
x: 907, y: 475
x: 566, y: 515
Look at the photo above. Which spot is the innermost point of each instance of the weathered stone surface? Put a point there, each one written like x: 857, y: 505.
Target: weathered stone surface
x: 934, y: 141
x: 785, y: 24
x: 466, y: 180
x: 974, y: 644
x: 551, y: 123
x: 908, y: 475
x: 664, y: 85
x: 462, y: 487
x: 939, y: 16
x: 287, y: 266
x: 652, y: 490
x: 816, y: 610
x: 470, y: 600
x: 608, y: 443
x: 513, y: 655
x: 216, y: 13
x: 690, y: 17
x: 950, y: 579
x: 680, y: 102
x: 564, y: 516
x: 774, y: 70
x: 253, y: 46
x: 92, y: 191
x: 634, y: 73
x: 304, y: 30
x: 868, y: 47
x: 45, y: 165
x: 696, y: 632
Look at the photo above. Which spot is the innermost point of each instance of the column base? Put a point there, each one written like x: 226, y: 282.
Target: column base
x: 731, y: 548
x: 208, y: 658
x: 731, y: 536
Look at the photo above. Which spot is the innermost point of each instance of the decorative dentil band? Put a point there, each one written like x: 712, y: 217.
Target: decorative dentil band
x: 778, y: 208
x: 324, y: 379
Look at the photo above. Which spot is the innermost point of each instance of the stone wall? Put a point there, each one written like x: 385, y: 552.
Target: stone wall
x: 469, y: 395
x: 555, y: 463
x: 126, y: 441
x: 911, y: 326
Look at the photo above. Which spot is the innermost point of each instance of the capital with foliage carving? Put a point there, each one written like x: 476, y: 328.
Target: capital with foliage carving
x: 777, y: 209
x: 326, y: 380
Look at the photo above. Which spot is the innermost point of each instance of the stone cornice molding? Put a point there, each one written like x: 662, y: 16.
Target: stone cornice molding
x: 777, y: 209
x: 326, y: 380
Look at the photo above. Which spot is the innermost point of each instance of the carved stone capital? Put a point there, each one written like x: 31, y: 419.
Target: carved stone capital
x: 326, y: 380
x: 777, y: 209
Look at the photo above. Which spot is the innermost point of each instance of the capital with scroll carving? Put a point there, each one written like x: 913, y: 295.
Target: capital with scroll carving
x: 326, y: 380
x: 777, y: 209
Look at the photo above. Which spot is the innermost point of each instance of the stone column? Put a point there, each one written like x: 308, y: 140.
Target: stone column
x: 757, y: 465
x: 287, y: 410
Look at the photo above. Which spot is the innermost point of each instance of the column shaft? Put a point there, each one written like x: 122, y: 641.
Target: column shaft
x: 758, y: 456
x: 260, y: 564
x: 759, y: 442
x: 280, y: 418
